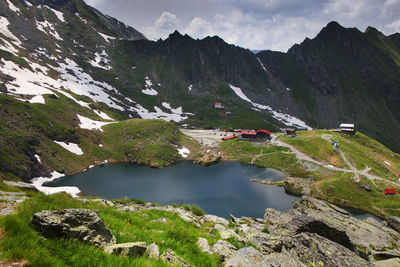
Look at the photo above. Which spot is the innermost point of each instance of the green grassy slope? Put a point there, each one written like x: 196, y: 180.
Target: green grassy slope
x: 27, y: 130
x: 339, y: 187
x: 21, y: 241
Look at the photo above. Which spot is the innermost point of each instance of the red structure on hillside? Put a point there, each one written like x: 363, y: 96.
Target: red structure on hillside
x: 218, y: 105
x: 263, y: 133
x: 249, y: 134
x: 390, y: 192
x: 229, y: 137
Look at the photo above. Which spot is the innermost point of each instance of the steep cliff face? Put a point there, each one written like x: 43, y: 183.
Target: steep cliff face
x: 344, y: 75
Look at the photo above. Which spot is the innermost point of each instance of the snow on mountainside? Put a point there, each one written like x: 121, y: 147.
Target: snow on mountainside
x: 66, y: 47
x: 284, y: 118
x: 27, y: 68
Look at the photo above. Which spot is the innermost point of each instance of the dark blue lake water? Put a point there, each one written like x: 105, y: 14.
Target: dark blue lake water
x: 219, y: 189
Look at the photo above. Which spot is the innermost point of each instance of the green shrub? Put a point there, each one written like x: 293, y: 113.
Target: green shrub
x: 197, y: 210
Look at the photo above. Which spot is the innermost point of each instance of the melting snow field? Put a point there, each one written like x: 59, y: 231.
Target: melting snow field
x: 12, y: 7
x: 149, y: 90
x: 101, y: 60
x: 283, y: 117
x: 184, y: 152
x: 39, y: 181
x: 90, y: 124
x: 71, y: 147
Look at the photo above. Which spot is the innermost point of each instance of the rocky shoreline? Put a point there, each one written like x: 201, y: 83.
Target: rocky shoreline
x: 313, y: 233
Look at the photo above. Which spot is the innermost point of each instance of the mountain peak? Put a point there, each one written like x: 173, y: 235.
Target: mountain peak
x: 334, y: 25
x: 372, y: 30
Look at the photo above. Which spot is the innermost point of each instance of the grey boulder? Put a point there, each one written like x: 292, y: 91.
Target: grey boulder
x: 82, y: 224
x: 170, y: 257
x: 133, y: 249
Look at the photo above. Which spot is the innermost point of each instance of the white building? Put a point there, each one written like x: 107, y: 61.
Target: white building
x: 347, y: 128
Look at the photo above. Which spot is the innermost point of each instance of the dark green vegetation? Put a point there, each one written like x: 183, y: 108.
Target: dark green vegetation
x: 338, y: 187
x: 177, y: 235
x: 344, y: 75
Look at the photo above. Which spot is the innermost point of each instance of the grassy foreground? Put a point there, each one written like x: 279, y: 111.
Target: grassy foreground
x: 21, y: 241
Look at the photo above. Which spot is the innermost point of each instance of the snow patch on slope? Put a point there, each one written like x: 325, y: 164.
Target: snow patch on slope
x: 71, y: 147
x: 283, y: 117
x: 39, y: 181
x: 158, y: 114
x: 90, y: 124
x: 37, y: 99
x: 103, y: 115
x: 48, y: 28
x: 4, y: 23
x: 106, y: 37
x: 184, y: 152
x: 149, y: 90
x: 38, y: 158
x: 262, y: 65
x: 101, y: 60
x: 177, y: 110
x: 59, y: 14
x: 12, y: 7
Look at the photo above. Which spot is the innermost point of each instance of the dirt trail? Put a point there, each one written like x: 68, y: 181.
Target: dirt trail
x: 301, y: 156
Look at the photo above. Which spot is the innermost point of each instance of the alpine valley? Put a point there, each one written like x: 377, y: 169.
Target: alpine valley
x: 80, y: 89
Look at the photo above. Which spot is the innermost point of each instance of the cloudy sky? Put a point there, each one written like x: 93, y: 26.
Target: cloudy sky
x: 253, y: 24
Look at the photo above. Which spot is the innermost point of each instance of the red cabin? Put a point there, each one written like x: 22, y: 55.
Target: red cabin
x: 390, y: 191
x: 218, y: 105
x: 263, y: 133
x: 229, y: 137
x: 249, y: 134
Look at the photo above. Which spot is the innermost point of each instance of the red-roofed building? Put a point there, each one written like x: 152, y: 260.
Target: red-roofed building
x: 390, y: 192
x: 249, y: 134
x: 218, y: 105
x: 229, y: 137
x: 263, y: 133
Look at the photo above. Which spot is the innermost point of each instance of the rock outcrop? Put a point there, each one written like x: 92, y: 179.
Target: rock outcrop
x: 81, y: 224
x: 203, y: 245
x: 21, y: 185
x: 224, y: 249
x: 394, y: 222
x: 170, y: 257
x: 133, y: 249
x: 314, y: 233
x: 248, y: 256
x: 153, y: 251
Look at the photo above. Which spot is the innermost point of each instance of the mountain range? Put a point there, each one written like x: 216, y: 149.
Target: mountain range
x: 65, y: 47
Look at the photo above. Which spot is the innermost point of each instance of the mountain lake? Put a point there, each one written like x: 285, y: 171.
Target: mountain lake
x: 221, y: 189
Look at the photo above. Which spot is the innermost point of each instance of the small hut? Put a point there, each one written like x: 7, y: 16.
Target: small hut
x: 347, y: 128
x: 290, y: 131
x: 218, y: 105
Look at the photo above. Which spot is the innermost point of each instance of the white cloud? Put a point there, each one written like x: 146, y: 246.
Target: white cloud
x: 167, y: 21
x: 394, y: 26
x: 277, y: 33
x: 254, y: 24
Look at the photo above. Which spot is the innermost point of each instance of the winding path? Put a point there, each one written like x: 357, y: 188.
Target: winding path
x: 301, y: 156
